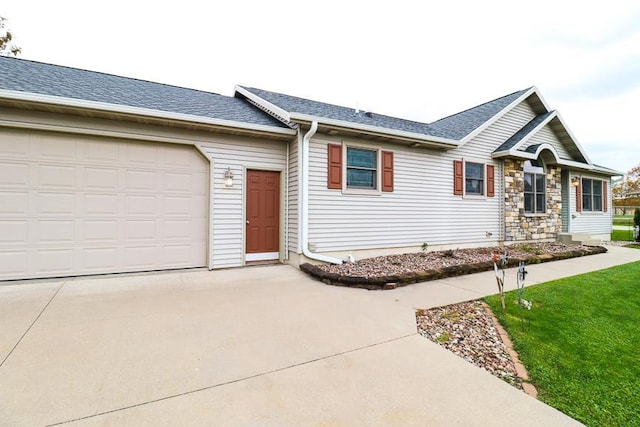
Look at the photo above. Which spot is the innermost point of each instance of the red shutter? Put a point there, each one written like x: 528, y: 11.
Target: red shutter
x: 579, y: 196
x: 387, y: 171
x: 458, y: 181
x: 490, y: 181
x: 334, y: 166
x: 605, y: 197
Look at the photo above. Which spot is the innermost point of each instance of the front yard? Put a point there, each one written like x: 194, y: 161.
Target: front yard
x: 581, y: 343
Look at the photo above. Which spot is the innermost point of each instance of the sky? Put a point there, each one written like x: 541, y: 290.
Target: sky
x: 419, y: 60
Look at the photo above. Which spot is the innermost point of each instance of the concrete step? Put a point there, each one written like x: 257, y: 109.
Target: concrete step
x: 578, y: 239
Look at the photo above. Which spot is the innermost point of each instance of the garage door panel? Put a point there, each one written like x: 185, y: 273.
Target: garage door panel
x: 140, y: 230
x: 101, y: 259
x: 56, y: 231
x: 141, y: 256
x: 54, y: 261
x: 13, y: 263
x: 141, y: 180
x: 96, y: 178
x: 14, y: 232
x: 56, y: 203
x: 14, y: 174
x: 71, y: 206
x: 14, y: 144
x: 58, y: 176
x: 100, y: 204
x: 141, y: 154
x: 141, y: 205
x: 14, y: 202
x: 100, y: 151
x: 100, y: 231
x: 177, y: 206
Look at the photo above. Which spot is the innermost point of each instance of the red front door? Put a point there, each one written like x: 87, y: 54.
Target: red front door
x: 263, y: 215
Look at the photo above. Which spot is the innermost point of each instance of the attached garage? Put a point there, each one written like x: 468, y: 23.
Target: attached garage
x: 76, y: 205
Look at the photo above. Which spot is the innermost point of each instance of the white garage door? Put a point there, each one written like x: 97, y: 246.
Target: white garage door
x: 73, y: 205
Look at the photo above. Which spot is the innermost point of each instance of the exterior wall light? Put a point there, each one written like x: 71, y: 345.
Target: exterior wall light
x: 575, y: 180
x: 228, y: 178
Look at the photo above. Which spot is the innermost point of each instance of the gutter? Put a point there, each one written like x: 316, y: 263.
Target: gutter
x: 304, y: 177
x: 137, y: 111
x: 433, y: 141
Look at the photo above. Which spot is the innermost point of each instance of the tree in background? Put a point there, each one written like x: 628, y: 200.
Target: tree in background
x: 6, y: 45
x: 627, y: 192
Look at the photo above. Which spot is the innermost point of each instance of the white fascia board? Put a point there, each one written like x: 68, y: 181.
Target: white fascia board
x: 534, y: 131
x: 573, y: 138
x: 137, y: 111
x: 496, y: 117
x: 263, y: 103
x: 391, y: 133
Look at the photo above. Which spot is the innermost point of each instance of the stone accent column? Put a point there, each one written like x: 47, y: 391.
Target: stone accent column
x: 520, y: 226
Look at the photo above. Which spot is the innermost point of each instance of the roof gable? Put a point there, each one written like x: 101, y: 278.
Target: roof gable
x: 71, y: 83
x: 462, y: 125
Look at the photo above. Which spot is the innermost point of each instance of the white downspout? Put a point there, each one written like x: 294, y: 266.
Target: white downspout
x: 304, y: 177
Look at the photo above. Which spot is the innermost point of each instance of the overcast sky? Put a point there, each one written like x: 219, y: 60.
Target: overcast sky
x: 419, y: 60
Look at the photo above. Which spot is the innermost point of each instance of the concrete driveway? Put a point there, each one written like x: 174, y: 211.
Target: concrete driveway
x: 254, y: 346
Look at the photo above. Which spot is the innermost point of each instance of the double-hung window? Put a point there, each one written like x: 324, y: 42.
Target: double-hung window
x: 359, y: 169
x: 474, y: 178
x: 591, y: 195
x: 534, y: 188
x: 362, y: 167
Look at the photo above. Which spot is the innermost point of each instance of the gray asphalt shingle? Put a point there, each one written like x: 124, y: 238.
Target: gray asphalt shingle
x: 454, y: 127
x: 526, y: 129
x: 47, y: 79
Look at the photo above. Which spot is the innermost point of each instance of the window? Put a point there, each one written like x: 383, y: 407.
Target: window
x: 534, y: 188
x: 591, y: 195
x: 474, y: 178
x: 362, y: 167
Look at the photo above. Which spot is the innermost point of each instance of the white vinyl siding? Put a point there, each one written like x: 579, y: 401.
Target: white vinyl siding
x: 228, y: 204
x: 546, y: 136
x: 587, y: 221
x: 422, y: 208
x: 294, y: 196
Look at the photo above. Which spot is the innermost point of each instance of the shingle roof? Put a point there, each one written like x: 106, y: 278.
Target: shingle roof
x: 47, y: 79
x: 461, y: 124
x: 526, y: 129
x: 454, y: 127
x: 293, y: 104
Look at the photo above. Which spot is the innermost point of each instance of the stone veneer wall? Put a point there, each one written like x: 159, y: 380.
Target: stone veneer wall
x: 520, y: 226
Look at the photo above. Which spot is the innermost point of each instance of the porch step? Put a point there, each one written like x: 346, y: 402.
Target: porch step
x: 578, y: 239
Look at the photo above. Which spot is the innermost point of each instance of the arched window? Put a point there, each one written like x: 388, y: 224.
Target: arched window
x: 534, y: 187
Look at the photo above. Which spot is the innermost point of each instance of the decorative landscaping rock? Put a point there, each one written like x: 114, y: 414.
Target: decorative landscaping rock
x: 389, y: 272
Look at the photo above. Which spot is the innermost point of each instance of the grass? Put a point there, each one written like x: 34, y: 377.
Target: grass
x: 581, y: 344
x: 620, y: 220
x: 622, y: 235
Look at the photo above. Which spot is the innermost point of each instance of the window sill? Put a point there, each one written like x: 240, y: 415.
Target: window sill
x: 474, y: 196
x: 361, y: 192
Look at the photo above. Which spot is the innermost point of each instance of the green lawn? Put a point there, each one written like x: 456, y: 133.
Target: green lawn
x: 623, y: 221
x: 582, y: 344
x: 622, y: 235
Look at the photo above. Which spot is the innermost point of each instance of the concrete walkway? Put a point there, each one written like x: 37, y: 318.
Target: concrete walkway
x: 255, y: 346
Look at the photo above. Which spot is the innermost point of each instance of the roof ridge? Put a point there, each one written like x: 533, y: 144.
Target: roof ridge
x: 112, y: 75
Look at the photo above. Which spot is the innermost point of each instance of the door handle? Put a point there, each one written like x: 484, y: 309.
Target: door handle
x: 247, y: 221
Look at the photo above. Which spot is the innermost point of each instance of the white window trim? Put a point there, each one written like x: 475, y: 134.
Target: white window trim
x: 362, y: 191
x: 601, y: 211
x: 484, y: 179
x: 533, y: 172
